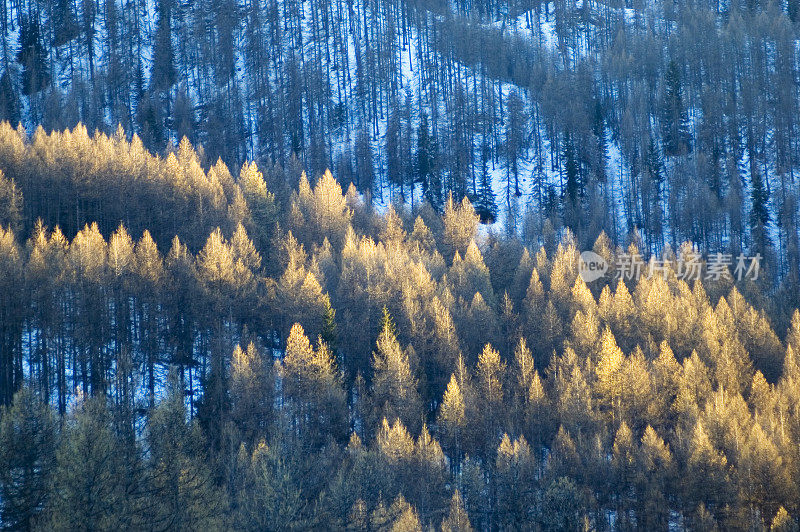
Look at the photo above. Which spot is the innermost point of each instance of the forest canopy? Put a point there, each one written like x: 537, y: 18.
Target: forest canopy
x: 322, y: 265
x: 187, y: 347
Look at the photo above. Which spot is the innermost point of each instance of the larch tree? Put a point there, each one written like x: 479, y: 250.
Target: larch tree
x: 457, y: 519
x: 490, y: 394
x: 312, y: 382
x: 252, y: 392
x: 394, y: 385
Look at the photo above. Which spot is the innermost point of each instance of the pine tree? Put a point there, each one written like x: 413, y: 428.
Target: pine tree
x: 457, y: 519
x: 490, y: 394
x: 33, y: 57
x: 408, y: 521
x: 261, y: 203
x: 426, y: 167
x: 181, y: 487
x: 674, y: 120
x: 610, y: 373
x: 759, y: 212
x: 452, y: 418
x: 11, y: 214
x: 9, y: 99
x: 485, y: 202
x: 516, y: 140
x: 623, y: 470
x: 394, y: 386
x: 365, y: 165
x: 312, y: 383
x: 163, y: 75
x: 655, y: 470
x: 707, y: 475
x: 561, y: 505
x: 65, y: 24
x: 270, y: 498
x: 252, y: 393
x: 783, y: 522
x: 394, y: 163
x: 515, y: 468
x: 426, y: 490
x: 329, y: 330
x: 574, y: 187
x: 460, y: 226
x: 88, y: 480
x: 28, y: 438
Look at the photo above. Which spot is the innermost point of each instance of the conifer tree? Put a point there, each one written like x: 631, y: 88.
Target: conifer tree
x: 11, y: 316
x: 426, y: 162
x: 252, y: 392
x: 452, y: 418
x: 426, y: 492
x: 561, y: 505
x: 457, y: 519
x: 270, y: 498
x: 87, y: 485
x: 32, y: 56
x: 490, y: 396
x: 11, y: 214
x: 485, y: 202
x: 179, y: 480
x: 707, y: 474
x: 312, y: 382
x: 261, y: 203
x: 783, y: 522
x: 394, y: 386
x: 516, y: 494
x: 654, y: 482
x: 759, y: 212
x: 163, y: 76
x: 9, y: 99
x: 28, y: 439
x: 460, y: 225
x: 610, y: 376
x: 674, y: 119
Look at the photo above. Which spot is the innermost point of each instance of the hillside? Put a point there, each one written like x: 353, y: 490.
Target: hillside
x: 399, y: 265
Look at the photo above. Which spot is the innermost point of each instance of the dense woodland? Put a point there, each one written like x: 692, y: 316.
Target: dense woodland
x: 676, y: 118
x: 190, y: 340
x: 184, y: 347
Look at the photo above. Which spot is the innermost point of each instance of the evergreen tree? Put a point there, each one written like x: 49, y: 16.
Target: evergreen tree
x: 452, y: 418
x: 11, y: 203
x: 252, y: 393
x: 490, y: 396
x: 33, y: 57
x: 270, y: 498
x: 88, y: 480
x: 457, y: 519
x: 163, y: 74
x: 180, y: 483
x: 427, y: 173
x: 485, y: 203
x: 260, y: 202
x: 65, y: 23
x: 28, y: 439
x: 9, y: 99
x: 675, y: 131
x: 759, y: 212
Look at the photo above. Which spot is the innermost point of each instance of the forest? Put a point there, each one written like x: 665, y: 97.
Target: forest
x: 319, y: 265
x: 674, y: 118
x: 184, y: 348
